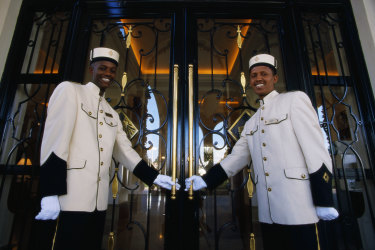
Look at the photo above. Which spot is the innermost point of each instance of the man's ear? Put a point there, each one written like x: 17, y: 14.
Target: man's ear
x: 275, y: 79
x: 91, y: 69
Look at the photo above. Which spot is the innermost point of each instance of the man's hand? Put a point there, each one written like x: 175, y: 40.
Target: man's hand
x: 166, y: 182
x: 50, y: 208
x: 326, y: 213
x: 198, y: 183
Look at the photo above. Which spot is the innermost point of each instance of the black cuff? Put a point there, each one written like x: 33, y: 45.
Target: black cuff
x: 215, y: 176
x: 146, y: 173
x: 321, y: 187
x: 53, y: 176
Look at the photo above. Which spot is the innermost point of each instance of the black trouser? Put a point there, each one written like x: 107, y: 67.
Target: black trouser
x: 290, y: 237
x: 79, y: 230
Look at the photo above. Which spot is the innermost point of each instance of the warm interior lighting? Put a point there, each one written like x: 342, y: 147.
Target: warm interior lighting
x: 206, y: 71
x: 231, y: 59
x: 55, y: 71
x: 202, y: 71
x: 329, y: 64
x: 221, y: 102
x: 152, y: 71
x: 41, y: 63
x: 135, y: 47
x: 21, y: 162
x: 330, y: 73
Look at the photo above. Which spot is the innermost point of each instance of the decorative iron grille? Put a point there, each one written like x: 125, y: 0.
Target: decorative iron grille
x: 20, y: 145
x: 225, y: 104
x: 141, y: 99
x: 340, y: 120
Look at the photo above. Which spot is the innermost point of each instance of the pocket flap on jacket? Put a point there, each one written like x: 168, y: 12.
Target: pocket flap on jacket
x: 76, y: 163
x: 296, y: 173
x: 252, y: 131
x: 110, y: 122
x: 276, y: 120
x: 88, y: 111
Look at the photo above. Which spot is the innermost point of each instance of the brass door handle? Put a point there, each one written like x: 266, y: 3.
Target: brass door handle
x: 191, y: 123
x: 174, y: 131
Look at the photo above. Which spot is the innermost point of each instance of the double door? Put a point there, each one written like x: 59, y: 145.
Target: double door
x: 182, y: 93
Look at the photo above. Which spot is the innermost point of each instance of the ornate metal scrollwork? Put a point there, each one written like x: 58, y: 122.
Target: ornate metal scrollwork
x: 226, y: 125
x: 139, y: 123
x: 334, y: 87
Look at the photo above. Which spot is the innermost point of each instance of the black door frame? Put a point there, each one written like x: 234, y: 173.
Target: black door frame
x: 297, y: 74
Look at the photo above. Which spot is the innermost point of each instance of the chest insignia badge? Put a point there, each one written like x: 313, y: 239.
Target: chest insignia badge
x: 109, y: 115
x: 326, y: 177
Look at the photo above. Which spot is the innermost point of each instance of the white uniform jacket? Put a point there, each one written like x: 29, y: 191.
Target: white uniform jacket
x: 286, y: 143
x: 82, y: 132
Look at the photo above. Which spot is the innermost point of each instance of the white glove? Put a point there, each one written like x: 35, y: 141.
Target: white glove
x: 166, y: 182
x: 50, y: 208
x: 198, y: 183
x: 326, y: 213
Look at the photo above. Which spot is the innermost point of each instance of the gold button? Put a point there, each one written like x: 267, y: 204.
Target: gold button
x: 267, y: 174
x: 100, y: 136
x: 263, y: 108
x: 303, y: 176
x: 264, y: 158
x: 101, y: 111
x: 262, y: 118
x: 101, y: 123
x: 262, y: 130
x: 269, y: 189
x: 111, y: 123
x: 99, y: 179
x: 101, y: 163
x: 101, y: 149
x: 264, y: 144
x: 90, y: 113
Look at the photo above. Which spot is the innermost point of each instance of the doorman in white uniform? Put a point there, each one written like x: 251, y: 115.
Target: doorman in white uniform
x: 292, y: 166
x: 82, y: 132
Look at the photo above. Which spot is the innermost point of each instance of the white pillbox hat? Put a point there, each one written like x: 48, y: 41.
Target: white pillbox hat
x: 263, y: 59
x: 104, y: 54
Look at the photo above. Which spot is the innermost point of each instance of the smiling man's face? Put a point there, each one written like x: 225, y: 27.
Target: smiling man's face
x: 103, y: 73
x: 262, y: 80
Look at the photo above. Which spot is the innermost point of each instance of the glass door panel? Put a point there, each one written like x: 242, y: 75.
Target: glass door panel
x: 224, y: 103
x: 142, y: 217
x: 140, y: 95
x: 340, y: 120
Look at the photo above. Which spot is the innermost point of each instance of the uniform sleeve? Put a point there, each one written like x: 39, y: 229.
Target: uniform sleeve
x: 311, y: 140
x: 59, y: 125
x: 231, y: 165
x: 124, y: 153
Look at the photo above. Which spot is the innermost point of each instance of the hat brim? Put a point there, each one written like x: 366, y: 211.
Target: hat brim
x: 264, y: 64
x: 96, y: 59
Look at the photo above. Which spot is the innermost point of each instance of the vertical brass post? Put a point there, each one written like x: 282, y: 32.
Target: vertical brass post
x: 252, y: 242
x: 243, y: 83
x: 111, y: 241
x: 250, y: 190
x: 239, y: 38
x: 191, y: 117
x: 250, y: 186
x: 111, y: 236
x: 174, y: 133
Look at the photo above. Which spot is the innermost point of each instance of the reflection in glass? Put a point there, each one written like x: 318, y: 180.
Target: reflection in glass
x: 341, y: 123
x: 45, y: 45
x: 140, y: 95
x: 224, y: 96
